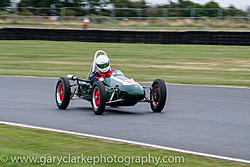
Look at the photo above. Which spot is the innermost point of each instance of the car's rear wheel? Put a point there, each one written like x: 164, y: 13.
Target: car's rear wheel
x: 158, y: 95
x: 98, y: 98
x: 62, y: 93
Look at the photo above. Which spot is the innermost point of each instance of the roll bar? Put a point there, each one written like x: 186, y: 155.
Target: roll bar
x: 92, y: 68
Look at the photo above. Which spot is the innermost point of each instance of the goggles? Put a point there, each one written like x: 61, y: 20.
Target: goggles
x: 105, y: 65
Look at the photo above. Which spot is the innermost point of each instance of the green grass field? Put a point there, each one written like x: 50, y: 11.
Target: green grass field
x: 15, y: 141
x: 188, y: 64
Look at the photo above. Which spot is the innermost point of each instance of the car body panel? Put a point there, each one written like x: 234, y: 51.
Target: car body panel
x: 130, y: 91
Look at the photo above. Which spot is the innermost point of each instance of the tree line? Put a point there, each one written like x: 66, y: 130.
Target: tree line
x: 102, y: 8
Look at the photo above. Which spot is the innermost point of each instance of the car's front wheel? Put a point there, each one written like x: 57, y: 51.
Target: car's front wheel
x: 158, y: 95
x: 98, y: 98
x: 62, y: 93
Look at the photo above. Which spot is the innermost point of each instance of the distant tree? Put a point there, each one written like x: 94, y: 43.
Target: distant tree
x: 36, y: 3
x: 180, y: 4
x: 4, y: 3
x: 213, y: 12
x: 68, y: 3
x: 71, y: 7
x: 96, y: 7
x: 100, y: 8
x: 187, y: 4
x: 90, y: 4
x: 49, y: 3
x: 212, y: 4
x: 141, y: 4
x: 212, y: 9
x: 25, y: 7
x: 128, y: 4
x: 123, y: 3
x: 233, y: 11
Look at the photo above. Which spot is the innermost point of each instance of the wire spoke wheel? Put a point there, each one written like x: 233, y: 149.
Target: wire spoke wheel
x: 158, y: 95
x: 62, y: 93
x: 98, y: 98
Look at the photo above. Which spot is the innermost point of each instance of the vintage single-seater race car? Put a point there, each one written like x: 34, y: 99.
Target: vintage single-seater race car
x: 116, y: 90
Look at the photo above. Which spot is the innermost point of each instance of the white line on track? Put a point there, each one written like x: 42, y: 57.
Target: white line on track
x: 126, y: 141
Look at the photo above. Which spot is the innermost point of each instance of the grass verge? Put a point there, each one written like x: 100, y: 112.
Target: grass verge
x: 187, y: 64
x: 22, y: 142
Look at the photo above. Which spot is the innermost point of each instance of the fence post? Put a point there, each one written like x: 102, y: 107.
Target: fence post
x: 165, y: 14
x: 139, y: 14
x: 113, y: 15
x: 16, y: 13
x: 193, y: 14
x: 62, y: 14
x: 220, y: 14
x: 248, y: 15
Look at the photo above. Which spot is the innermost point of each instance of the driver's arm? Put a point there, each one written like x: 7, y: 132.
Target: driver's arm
x: 95, y: 77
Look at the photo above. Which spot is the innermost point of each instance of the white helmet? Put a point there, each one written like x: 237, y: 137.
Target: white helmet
x: 102, y: 63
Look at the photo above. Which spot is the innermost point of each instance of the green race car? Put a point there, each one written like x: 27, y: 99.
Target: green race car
x: 117, y: 90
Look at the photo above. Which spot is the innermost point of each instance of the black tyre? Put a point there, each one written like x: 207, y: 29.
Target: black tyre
x: 62, y: 93
x: 158, y: 95
x: 98, y: 98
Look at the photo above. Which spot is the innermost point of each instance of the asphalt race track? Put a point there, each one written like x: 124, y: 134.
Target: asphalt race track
x: 197, y: 118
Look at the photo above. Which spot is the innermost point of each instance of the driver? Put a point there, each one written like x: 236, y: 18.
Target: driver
x: 104, y: 69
